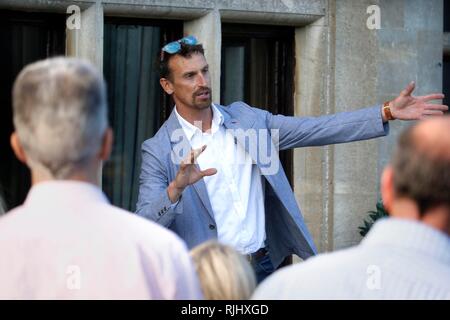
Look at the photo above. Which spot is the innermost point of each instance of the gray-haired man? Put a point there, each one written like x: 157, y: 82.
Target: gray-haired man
x: 66, y: 241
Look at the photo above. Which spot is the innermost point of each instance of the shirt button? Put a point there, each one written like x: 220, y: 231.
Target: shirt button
x: 212, y: 227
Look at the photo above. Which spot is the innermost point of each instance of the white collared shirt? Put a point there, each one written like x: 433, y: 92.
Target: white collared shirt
x: 235, y: 191
x: 67, y: 242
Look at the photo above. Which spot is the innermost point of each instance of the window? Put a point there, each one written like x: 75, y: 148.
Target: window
x: 137, y: 105
x: 24, y: 38
x: 258, y: 68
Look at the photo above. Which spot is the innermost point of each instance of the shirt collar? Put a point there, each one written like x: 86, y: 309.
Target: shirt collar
x: 190, y: 129
x: 56, y: 192
x: 411, y: 235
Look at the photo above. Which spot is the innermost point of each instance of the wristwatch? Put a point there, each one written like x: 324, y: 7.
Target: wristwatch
x: 387, y: 111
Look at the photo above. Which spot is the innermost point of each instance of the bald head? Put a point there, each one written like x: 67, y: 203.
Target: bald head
x: 432, y: 137
x: 421, y: 164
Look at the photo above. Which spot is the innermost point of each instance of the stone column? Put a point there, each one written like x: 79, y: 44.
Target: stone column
x: 208, y: 31
x: 355, y: 173
x: 313, y: 97
x: 87, y: 42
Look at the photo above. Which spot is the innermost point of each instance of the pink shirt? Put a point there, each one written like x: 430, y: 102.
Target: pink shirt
x: 67, y: 242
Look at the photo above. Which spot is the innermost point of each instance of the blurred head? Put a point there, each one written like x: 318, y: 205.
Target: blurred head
x: 419, y: 174
x: 60, y: 117
x: 185, y: 76
x: 224, y: 273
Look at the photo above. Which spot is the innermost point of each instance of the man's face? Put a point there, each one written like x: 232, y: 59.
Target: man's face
x: 189, y: 81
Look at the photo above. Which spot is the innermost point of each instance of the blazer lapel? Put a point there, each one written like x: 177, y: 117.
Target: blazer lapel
x: 181, y: 147
x: 234, y: 124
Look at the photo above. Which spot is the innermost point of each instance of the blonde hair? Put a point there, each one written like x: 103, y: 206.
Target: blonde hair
x: 224, y: 273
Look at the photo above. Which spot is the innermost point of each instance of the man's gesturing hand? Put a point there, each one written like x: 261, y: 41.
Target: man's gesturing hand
x: 408, y: 107
x: 188, y: 174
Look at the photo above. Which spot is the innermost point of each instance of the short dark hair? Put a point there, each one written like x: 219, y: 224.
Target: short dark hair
x: 186, y: 51
x: 419, y: 174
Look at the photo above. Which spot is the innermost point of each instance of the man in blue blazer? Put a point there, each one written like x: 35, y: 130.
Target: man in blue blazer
x: 213, y: 172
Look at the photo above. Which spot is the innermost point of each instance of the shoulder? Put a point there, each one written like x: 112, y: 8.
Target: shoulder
x: 315, y: 275
x: 240, y: 108
x: 146, y: 232
x: 10, y: 219
x: 156, y: 149
x: 158, y: 141
x: 158, y: 248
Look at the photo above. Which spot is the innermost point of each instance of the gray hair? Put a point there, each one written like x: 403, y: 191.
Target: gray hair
x: 60, y: 114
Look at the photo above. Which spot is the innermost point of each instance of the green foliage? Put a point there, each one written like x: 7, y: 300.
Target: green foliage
x: 373, y: 216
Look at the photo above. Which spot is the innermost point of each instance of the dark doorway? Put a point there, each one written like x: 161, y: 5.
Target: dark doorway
x: 137, y: 105
x: 24, y: 38
x: 258, y: 68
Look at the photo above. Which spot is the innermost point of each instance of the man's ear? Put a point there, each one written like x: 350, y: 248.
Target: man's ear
x: 387, y: 188
x: 17, y: 148
x: 107, y: 143
x: 166, y: 85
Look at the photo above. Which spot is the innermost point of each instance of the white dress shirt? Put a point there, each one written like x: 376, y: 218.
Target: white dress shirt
x: 398, y: 259
x: 67, y: 242
x: 235, y: 191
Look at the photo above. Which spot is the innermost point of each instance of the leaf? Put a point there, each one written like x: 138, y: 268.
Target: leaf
x: 373, y: 216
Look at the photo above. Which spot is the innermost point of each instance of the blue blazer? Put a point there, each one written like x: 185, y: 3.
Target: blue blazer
x: 192, y: 217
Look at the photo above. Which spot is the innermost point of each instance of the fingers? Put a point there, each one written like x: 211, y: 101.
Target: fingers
x: 432, y: 110
x: 208, y: 172
x: 192, y: 156
x: 409, y: 89
x: 441, y: 107
x: 196, y: 152
x: 433, y: 113
x: 432, y: 96
x: 425, y: 117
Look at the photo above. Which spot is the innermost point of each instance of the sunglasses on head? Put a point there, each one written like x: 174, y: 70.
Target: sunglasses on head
x: 175, y: 46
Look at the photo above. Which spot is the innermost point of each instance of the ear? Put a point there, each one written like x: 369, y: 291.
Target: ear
x: 387, y: 188
x: 166, y: 85
x: 107, y: 143
x: 17, y: 148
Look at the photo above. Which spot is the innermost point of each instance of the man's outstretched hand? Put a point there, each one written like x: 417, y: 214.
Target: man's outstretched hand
x: 188, y: 174
x: 407, y: 107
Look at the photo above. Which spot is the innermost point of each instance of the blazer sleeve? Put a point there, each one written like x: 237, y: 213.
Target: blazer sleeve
x: 153, y: 200
x: 336, y: 128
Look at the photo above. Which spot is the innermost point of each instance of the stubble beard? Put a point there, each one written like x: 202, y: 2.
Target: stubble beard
x: 202, y: 104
